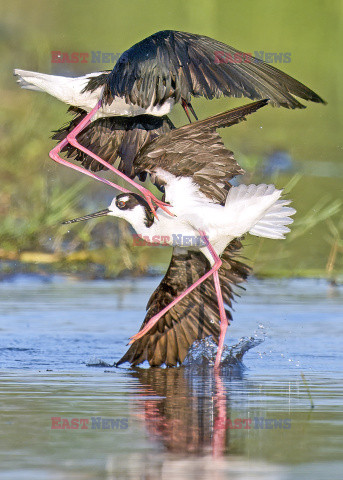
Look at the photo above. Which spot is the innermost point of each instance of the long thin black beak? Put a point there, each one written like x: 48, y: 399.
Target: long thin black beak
x: 87, y: 217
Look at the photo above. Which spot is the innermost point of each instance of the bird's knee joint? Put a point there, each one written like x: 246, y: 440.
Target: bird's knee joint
x: 71, y: 138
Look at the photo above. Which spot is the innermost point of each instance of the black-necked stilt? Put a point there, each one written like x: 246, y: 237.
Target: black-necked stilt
x: 166, y: 68
x: 171, y: 67
x: 194, y: 167
x: 203, y: 231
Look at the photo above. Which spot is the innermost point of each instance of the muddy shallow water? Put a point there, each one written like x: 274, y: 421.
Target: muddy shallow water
x: 253, y: 422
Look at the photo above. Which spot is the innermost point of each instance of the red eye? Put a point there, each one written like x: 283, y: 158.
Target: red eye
x: 120, y: 204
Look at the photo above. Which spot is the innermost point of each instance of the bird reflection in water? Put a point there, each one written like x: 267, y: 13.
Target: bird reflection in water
x: 185, y: 409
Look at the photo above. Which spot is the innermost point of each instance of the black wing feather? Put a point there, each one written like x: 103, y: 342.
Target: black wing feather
x: 195, y: 317
x: 113, y: 137
x: 181, y: 65
x: 196, y: 150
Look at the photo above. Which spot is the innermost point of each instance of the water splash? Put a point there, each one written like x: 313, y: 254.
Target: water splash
x: 97, y: 362
x: 203, y: 352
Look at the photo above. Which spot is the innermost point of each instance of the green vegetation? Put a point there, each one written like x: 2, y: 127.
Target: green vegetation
x: 36, y: 195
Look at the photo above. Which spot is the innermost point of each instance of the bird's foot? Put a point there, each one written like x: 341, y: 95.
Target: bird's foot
x: 150, y: 198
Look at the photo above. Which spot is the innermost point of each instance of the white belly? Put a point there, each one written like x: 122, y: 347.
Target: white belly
x: 120, y: 107
x: 70, y: 91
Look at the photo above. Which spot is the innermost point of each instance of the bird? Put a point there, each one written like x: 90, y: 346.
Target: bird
x: 180, y: 417
x: 170, y: 67
x: 254, y: 209
x: 149, y: 78
x: 194, y: 168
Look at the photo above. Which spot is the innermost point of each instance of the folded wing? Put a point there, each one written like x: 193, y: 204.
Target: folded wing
x: 111, y: 138
x: 195, y: 317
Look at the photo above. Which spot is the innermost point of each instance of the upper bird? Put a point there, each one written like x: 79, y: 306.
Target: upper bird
x: 166, y: 68
x: 171, y: 67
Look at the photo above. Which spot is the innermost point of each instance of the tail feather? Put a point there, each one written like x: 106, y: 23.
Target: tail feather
x: 257, y: 209
x: 269, y: 231
x: 274, y: 221
x: 26, y: 80
x: 66, y: 89
x: 56, y: 85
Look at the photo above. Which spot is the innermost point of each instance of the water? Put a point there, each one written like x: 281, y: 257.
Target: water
x: 168, y: 423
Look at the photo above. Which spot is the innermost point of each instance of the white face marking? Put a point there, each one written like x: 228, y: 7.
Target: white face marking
x: 124, y: 199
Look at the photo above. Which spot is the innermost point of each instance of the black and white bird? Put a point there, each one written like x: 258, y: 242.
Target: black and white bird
x: 194, y: 169
x: 254, y: 209
x: 166, y: 68
x: 171, y: 67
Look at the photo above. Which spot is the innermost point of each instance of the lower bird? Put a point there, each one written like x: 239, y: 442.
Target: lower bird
x: 193, y: 167
x: 197, y: 226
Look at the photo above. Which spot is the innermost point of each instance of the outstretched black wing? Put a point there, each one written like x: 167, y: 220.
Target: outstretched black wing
x: 113, y: 137
x: 180, y: 65
x: 196, y: 150
x: 195, y: 317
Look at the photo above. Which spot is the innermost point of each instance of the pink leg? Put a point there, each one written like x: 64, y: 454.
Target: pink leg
x: 185, y: 106
x: 155, y: 318
x: 222, y: 313
x: 54, y: 154
x: 71, y: 138
x: 223, y: 320
x: 220, y: 421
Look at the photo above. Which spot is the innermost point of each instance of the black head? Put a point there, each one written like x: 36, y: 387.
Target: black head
x: 124, y: 203
x: 129, y: 201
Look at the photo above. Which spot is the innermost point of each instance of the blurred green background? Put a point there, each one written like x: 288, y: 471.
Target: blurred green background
x: 299, y: 149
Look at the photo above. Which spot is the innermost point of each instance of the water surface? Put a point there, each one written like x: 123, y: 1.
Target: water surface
x: 168, y: 423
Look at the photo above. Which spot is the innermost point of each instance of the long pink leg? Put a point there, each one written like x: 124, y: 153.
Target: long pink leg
x: 155, y: 318
x: 220, y: 421
x: 71, y: 138
x: 222, y: 313
x: 54, y: 154
x: 223, y: 320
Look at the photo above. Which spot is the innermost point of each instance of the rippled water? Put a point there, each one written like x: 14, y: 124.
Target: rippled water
x: 168, y: 423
